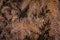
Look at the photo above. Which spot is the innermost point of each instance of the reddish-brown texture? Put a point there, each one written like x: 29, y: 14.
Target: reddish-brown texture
x: 29, y: 19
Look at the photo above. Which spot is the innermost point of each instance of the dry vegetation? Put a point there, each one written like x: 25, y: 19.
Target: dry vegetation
x: 29, y: 19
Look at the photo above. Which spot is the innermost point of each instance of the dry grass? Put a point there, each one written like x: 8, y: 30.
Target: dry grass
x: 29, y: 20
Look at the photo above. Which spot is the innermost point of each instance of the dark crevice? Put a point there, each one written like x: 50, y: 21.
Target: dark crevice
x: 5, y: 2
x: 17, y: 0
x: 24, y: 12
x: 42, y: 36
x: 47, y: 11
x: 0, y: 30
x: 43, y: 11
x: 27, y: 38
x: 41, y: 14
x: 46, y: 33
x: 3, y: 37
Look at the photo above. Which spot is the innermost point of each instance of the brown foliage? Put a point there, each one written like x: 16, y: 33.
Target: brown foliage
x: 29, y: 20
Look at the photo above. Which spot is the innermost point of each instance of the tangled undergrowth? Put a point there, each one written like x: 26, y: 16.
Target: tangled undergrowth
x: 29, y: 20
